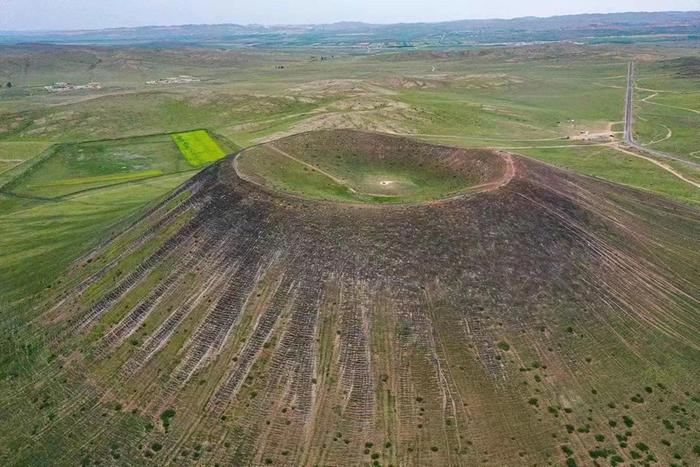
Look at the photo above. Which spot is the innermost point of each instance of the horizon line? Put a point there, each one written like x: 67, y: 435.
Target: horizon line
x: 367, y: 23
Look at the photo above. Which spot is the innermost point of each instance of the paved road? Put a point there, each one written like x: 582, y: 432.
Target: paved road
x: 629, y: 120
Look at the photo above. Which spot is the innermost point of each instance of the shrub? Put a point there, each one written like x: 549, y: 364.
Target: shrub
x: 596, y: 453
x: 166, y: 417
x: 642, y: 447
x: 504, y: 346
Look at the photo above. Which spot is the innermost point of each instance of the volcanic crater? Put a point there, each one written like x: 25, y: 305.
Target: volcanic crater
x: 274, y: 313
x: 371, y: 168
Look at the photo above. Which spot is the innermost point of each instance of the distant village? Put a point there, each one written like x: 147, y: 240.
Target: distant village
x: 182, y: 79
x: 64, y: 87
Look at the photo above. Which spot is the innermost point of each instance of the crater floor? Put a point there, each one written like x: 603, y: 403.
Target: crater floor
x: 357, y: 167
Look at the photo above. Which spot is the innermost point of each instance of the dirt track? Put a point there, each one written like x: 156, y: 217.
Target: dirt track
x: 629, y: 124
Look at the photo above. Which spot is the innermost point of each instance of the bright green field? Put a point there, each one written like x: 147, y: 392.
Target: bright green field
x: 198, y: 147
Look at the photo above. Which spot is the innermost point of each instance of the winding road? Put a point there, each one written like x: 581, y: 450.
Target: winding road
x: 629, y: 123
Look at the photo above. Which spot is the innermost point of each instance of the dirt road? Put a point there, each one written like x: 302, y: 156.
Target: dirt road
x: 629, y: 122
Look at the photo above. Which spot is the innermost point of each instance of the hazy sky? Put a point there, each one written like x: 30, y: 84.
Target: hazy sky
x: 78, y: 14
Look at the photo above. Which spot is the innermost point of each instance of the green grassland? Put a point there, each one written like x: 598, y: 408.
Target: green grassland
x: 609, y: 164
x: 72, y: 168
x: 39, y: 241
x: 668, y: 109
x: 198, y: 147
x: 76, y: 168
x: 15, y: 155
x: 528, y: 100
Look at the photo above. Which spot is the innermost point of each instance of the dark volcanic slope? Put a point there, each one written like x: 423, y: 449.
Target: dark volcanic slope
x: 554, y: 317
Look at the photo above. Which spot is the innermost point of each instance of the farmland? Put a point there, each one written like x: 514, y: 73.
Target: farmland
x: 198, y: 147
x: 431, y: 256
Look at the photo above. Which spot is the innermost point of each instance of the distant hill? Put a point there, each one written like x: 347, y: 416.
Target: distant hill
x: 585, y: 28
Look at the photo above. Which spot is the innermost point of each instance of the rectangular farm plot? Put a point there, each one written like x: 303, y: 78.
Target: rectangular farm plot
x: 198, y: 147
x: 73, y: 168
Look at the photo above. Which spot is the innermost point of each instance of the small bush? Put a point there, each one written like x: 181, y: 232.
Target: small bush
x: 642, y: 447
x: 504, y: 346
x: 596, y: 453
x: 167, y: 414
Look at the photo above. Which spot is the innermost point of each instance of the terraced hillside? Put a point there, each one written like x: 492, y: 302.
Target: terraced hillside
x: 541, y: 318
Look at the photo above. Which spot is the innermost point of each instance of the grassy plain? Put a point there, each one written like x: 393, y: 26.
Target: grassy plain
x: 668, y: 110
x: 609, y: 164
x: 77, y: 167
x: 552, y: 102
x: 538, y: 100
